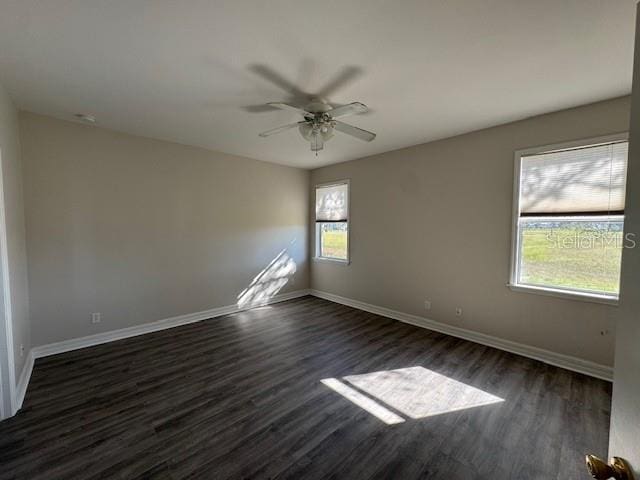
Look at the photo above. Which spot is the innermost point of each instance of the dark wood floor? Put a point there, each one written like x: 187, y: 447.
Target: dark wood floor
x: 241, y: 397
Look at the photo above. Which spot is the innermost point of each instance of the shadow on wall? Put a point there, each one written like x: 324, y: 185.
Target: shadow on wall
x: 269, y: 281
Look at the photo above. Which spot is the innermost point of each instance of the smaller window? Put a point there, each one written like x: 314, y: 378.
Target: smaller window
x: 332, y: 221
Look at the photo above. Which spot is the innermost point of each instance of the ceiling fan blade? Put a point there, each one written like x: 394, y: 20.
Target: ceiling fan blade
x: 279, y: 129
x: 346, y: 76
x: 261, y: 108
x: 350, y: 109
x: 354, y: 131
x: 278, y: 80
x: 292, y: 108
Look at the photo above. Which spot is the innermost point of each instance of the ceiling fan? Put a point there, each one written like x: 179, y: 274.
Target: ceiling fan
x: 320, y: 122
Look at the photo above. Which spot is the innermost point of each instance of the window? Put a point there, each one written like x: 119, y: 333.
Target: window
x: 332, y: 221
x: 569, y: 217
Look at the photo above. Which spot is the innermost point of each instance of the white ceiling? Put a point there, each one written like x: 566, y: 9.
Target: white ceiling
x: 195, y: 71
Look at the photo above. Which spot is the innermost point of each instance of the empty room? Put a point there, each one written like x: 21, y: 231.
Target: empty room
x: 319, y: 240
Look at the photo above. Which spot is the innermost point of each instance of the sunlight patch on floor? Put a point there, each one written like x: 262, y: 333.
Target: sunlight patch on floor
x: 364, y: 402
x: 416, y: 392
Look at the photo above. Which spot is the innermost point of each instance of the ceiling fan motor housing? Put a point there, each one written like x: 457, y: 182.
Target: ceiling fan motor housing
x: 318, y: 106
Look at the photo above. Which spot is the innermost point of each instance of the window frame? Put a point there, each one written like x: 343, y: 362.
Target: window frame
x: 513, y: 283
x: 316, y: 254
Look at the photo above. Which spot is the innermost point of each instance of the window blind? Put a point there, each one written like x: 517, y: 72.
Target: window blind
x: 332, y: 203
x: 588, y: 180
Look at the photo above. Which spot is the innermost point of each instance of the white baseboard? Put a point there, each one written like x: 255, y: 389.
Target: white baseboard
x: 559, y: 360
x: 99, y: 338
x: 23, y: 382
x: 564, y: 361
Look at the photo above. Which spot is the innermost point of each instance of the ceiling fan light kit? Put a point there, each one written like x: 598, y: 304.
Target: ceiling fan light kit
x: 320, y: 124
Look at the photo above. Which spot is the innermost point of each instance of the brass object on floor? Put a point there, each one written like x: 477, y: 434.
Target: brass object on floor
x: 618, y: 469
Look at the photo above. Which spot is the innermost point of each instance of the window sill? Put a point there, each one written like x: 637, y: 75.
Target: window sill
x: 552, y: 292
x: 331, y: 260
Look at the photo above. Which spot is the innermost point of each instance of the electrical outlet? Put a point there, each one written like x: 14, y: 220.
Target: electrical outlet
x: 458, y: 311
x: 95, y: 318
x: 427, y: 304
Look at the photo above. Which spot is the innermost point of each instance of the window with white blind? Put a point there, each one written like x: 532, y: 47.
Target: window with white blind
x: 332, y: 221
x: 569, y: 217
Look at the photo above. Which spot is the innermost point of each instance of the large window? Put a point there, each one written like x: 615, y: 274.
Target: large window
x: 569, y: 217
x: 332, y: 221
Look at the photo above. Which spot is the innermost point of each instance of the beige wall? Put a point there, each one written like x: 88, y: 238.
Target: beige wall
x: 141, y: 230
x: 625, y: 412
x: 14, y: 218
x: 434, y: 222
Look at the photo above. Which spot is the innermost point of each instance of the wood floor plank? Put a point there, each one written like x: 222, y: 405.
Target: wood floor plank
x: 242, y: 397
